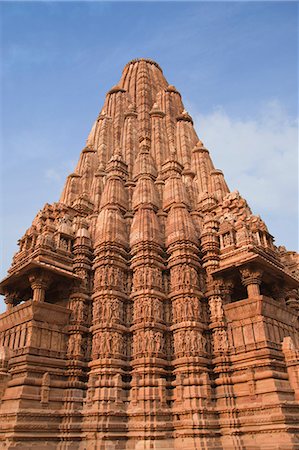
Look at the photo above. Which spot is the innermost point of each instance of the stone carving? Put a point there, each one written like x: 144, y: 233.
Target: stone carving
x: 183, y: 277
x: 242, y: 235
x: 108, y: 310
x: 252, y: 279
x: 107, y: 344
x: 129, y: 292
x: 79, y: 310
x: 184, y: 309
x: 187, y: 342
x: 75, y: 346
x: 227, y: 239
x: 148, y: 342
x: 148, y: 309
x: 108, y: 277
x: 91, y: 389
x: 251, y: 275
x: 45, y: 389
x: 5, y: 354
x: 220, y: 341
x: 147, y: 278
x: 216, y: 310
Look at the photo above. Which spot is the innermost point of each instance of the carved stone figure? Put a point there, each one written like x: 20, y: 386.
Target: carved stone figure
x: 220, y: 341
x: 216, y: 310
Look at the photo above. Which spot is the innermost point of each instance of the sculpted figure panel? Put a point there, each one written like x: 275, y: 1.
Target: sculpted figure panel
x: 183, y: 277
x: 108, y: 344
x: 187, y: 308
x: 243, y: 235
x: 79, y: 310
x: 227, y: 239
x: 216, y: 309
x: 109, y: 277
x: 189, y: 343
x: 166, y: 282
x: 76, y: 346
x: 148, y: 342
x: 148, y: 309
x: 45, y: 388
x: 220, y: 341
x: 108, y: 310
x: 147, y: 278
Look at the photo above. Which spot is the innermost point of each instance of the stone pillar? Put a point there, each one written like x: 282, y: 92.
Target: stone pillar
x: 291, y: 354
x: 189, y: 327
x: 251, y: 279
x: 9, y: 303
x: 39, y: 282
x: 148, y: 351
x: 5, y: 355
x: 217, y: 325
x: 158, y: 135
x: 210, y: 244
x: 203, y: 166
x: 292, y: 300
x: 10, y: 300
x: 78, y: 349
x: 104, y: 411
x: 224, y: 391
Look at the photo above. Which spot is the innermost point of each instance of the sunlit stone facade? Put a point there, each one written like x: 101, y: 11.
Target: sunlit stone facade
x: 149, y: 308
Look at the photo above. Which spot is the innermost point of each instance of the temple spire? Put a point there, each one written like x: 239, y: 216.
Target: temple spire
x: 149, y: 307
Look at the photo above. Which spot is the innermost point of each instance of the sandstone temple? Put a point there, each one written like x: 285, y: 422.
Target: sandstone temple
x: 149, y: 307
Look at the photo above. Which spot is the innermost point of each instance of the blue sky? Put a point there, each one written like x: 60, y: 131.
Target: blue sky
x: 235, y: 64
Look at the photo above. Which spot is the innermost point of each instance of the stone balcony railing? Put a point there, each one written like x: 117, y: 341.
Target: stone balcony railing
x: 259, y: 322
x: 35, y: 328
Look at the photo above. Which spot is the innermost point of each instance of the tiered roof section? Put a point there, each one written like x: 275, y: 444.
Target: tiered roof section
x: 143, y: 127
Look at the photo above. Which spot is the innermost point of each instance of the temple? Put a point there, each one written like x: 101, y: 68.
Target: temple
x: 149, y: 308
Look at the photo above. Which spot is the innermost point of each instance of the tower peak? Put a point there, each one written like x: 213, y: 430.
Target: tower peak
x: 145, y: 60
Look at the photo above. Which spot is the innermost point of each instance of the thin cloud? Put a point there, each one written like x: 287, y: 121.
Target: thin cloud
x: 58, y: 174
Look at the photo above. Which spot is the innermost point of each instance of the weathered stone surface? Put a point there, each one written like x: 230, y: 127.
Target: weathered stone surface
x: 149, y: 308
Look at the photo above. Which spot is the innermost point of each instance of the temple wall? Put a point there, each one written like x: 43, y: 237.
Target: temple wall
x: 260, y: 321
x: 163, y: 316
x: 35, y: 328
x: 263, y: 393
x: 33, y: 387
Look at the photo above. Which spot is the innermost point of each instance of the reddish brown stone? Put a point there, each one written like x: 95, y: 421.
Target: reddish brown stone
x: 149, y: 308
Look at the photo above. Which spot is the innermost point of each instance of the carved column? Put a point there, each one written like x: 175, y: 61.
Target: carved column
x: 210, y: 246
x: 189, y: 327
x: 251, y: 279
x: 159, y: 144
x: 292, y: 300
x: 104, y: 410
x: 78, y: 350
x: 217, y: 297
x: 148, y: 351
x: 39, y: 282
x: 188, y: 323
x: 11, y: 300
x: 217, y: 319
x: 148, y: 408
